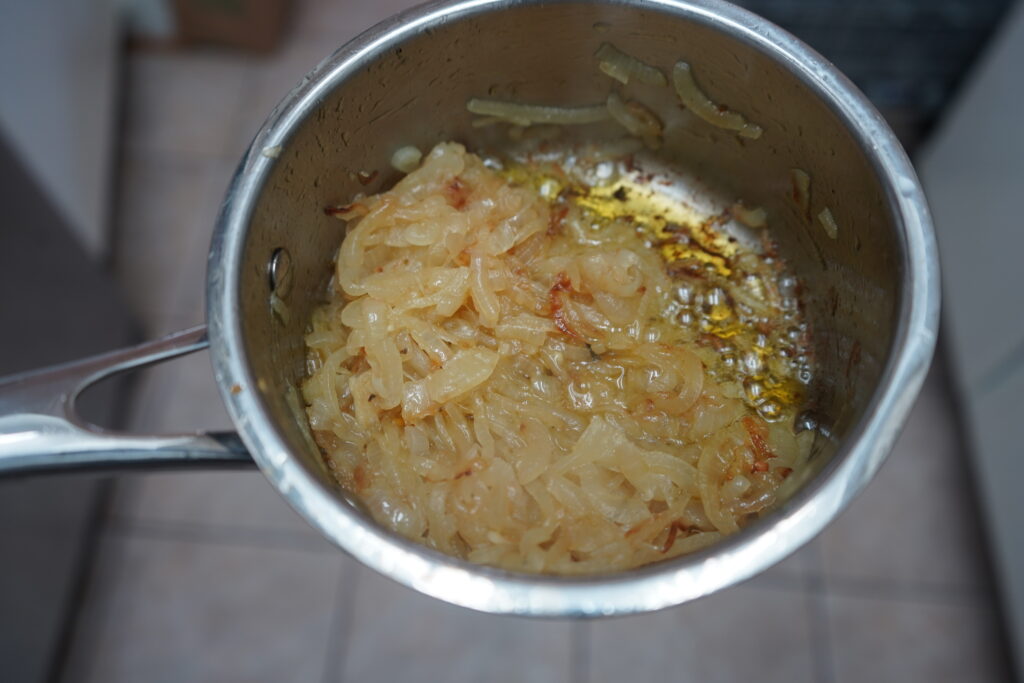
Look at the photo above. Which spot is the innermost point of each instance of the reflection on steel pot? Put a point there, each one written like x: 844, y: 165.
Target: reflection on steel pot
x: 871, y: 289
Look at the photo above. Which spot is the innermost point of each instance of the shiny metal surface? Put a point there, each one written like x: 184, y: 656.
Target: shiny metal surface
x: 871, y: 294
x: 280, y: 271
x: 40, y: 429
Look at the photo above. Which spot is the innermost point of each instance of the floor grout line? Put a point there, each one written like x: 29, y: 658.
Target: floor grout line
x: 811, y: 581
x: 76, y: 612
x: 238, y: 116
x: 580, y: 642
x: 341, y: 628
x: 903, y: 591
x: 179, y: 160
x: 97, y: 608
x: 892, y: 590
x: 219, y: 534
x: 822, y: 655
x: 779, y: 582
x: 822, y: 648
x: 182, y: 159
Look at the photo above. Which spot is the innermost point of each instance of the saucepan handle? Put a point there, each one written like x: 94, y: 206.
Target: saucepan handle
x: 41, y: 430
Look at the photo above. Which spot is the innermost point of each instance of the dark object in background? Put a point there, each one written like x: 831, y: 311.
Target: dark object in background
x: 56, y: 306
x: 248, y: 24
x: 908, y: 56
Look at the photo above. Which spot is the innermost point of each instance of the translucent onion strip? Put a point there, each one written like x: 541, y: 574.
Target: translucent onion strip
x: 528, y: 114
x: 701, y: 105
x: 828, y: 222
x: 625, y: 68
x: 752, y: 217
x: 800, y: 180
x: 637, y: 119
x: 406, y: 159
x: 497, y: 379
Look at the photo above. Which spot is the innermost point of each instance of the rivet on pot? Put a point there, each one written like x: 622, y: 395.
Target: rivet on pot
x: 280, y: 271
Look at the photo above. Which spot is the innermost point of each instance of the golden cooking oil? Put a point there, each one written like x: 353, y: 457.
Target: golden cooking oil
x: 735, y: 303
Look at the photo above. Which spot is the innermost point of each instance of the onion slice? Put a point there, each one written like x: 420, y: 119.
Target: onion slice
x: 635, y: 118
x: 280, y: 308
x: 701, y: 105
x: 828, y: 222
x: 406, y: 159
x: 755, y: 217
x: 624, y: 67
x: 527, y: 114
x: 485, y: 121
x: 801, y: 182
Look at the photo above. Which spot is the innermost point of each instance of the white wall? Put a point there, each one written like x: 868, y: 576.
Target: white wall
x: 973, y: 173
x: 58, y: 74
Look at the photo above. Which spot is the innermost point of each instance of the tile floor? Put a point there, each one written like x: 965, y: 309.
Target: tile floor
x: 209, y: 576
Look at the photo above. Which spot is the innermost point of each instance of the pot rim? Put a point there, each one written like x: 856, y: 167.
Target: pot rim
x: 653, y: 587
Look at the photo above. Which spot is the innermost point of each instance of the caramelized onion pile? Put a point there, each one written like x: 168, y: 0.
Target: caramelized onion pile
x: 496, y: 379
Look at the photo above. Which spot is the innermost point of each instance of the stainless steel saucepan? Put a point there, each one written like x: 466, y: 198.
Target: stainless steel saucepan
x: 871, y: 293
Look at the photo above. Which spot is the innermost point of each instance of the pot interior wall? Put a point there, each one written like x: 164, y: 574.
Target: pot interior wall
x: 415, y: 93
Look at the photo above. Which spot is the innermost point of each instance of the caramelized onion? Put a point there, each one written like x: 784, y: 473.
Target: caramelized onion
x: 801, y: 184
x: 755, y: 217
x: 406, y: 159
x: 527, y: 114
x: 520, y: 396
x: 701, y: 105
x: 625, y: 68
x: 829, y: 223
x: 637, y: 119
